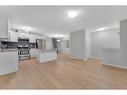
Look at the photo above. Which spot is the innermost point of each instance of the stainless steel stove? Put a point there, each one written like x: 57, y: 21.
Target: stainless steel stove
x: 24, y: 54
x: 24, y: 49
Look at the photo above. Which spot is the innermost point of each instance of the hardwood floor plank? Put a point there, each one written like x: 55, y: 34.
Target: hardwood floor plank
x: 65, y: 73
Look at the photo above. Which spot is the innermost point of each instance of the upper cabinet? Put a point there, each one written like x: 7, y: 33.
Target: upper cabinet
x: 32, y: 38
x: 13, y: 36
x: 3, y: 27
x: 23, y: 35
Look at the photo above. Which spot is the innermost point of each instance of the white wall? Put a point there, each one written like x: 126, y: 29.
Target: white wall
x: 77, y: 44
x: 104, y: 39
x: 118, y: 57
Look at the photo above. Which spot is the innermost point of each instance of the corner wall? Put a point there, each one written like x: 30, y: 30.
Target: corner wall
x: 77, y: 44
x: 103, y: 40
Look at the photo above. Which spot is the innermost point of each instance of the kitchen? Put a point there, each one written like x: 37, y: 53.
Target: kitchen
x: 19, y: 44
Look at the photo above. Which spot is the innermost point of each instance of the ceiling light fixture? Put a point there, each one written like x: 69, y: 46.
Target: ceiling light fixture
x: 72, y: 13
x: 101, y: 29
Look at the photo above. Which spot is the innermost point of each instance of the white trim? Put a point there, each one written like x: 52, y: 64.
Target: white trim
x: 10, y: 72
x: 117, y: 66
x: 85, y: 59
x: 74, y: 57
x: 98, y: 57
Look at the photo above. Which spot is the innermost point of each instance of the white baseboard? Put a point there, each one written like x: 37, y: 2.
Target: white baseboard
x: 96, y: 58
x: 117, y: 66
x: 78, y: 58
x: 74, y: 57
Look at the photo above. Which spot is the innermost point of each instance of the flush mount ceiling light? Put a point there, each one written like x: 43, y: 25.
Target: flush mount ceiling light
x: 72, y: 13
x: 101, y: 29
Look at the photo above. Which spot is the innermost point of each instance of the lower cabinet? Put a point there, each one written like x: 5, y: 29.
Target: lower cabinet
x: 33, y: 53
x: 8, y: 62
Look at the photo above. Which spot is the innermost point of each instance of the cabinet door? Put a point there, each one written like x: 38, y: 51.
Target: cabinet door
x: 33, y: 53
x: 3, y: 27
x: 32, y: 38
x: 13, y: 36
x: 23, y: 35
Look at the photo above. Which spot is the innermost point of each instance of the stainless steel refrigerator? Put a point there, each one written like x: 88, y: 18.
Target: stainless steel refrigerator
x: 41, y: 43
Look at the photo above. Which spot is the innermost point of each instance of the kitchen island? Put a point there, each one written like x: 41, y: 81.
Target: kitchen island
x: 8, y: 61
x: 46, y: 55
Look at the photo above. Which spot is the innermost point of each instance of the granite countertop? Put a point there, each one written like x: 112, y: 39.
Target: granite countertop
x: 8, y: 50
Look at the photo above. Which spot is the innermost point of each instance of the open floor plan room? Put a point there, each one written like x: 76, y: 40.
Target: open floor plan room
x: 63, y: 47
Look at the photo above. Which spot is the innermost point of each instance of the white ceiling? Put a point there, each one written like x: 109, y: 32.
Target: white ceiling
x: 54, y: 20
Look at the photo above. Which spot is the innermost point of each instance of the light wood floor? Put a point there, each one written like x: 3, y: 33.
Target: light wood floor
x: 65, y: 73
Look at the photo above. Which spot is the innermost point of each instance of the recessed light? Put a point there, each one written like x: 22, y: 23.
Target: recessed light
x: 72, y: 13
x: 101, y: 29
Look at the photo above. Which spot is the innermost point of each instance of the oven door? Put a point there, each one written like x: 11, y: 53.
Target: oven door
x: 24, y: 54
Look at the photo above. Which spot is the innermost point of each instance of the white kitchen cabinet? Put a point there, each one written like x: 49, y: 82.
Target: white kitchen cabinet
x: 33, y: 53
x: 3, y: 27
x: 8, y: 62
x: 23, y: 35
x: 32, y: 38
x: 13, y: 36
